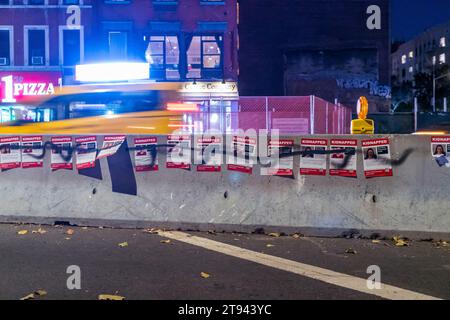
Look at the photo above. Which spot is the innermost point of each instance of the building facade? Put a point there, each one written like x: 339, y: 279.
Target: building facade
x: 41, y: 41
x: 429, y: 50
x: 308, y: 47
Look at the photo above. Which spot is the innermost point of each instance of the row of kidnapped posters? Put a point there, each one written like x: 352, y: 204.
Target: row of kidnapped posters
x: 242, y: 156
x: 209, y: 156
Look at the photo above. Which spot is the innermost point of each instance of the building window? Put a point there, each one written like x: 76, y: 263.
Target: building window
x: 163, y: 54
x: 71, y: 2
x: 411, y: 54
x: 442, y: 59
x: 165, y: 1
x: 37, y: 2
x: 6, y: 46
x: 434, y: 60
x: 71, y: 46
x: 36, y: 46
x: 117, y: 1
x: 118, y: 45
x: 212, y: 1
x: 442, y: 42
x: 404, y: 59
x: 205, y: 57
x: 411, y: 69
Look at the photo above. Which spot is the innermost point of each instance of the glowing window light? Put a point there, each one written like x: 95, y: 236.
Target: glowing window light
x: 116, y: 71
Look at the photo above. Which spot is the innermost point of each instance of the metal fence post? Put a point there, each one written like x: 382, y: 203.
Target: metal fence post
x: 445, y: 104
x: 416, y: 110
x: 267, y: 114
x: 339, y: 119
x: 311, y: 112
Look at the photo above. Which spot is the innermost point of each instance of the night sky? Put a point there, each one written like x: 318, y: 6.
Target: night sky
x: 410, y: 17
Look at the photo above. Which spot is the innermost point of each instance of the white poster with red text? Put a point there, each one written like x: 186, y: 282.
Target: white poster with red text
x: 440, y: 150
x: 208, y: 155
x: 10, y: 153
x: 310, y: 163
x: 241, y: 154
x: 179, y: 152
x: 145, y: 150
x: 283, y: 160
x: 341, y: 164
x: 377, y: 155
x: 110, y: 145
x: 86, y: 151
x: 32, y: 152
x: 61, y: 146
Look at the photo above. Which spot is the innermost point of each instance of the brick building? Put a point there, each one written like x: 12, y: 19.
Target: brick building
x: 181, y: 39
x: 304, y: 47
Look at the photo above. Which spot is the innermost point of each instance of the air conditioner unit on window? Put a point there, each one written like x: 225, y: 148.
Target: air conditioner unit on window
x: 37, y: 61
x: 3, y: 61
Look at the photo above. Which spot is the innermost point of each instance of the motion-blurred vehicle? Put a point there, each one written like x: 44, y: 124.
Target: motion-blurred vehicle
x: 117, y: 108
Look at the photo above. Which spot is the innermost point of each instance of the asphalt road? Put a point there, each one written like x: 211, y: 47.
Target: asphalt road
x: 150, y: 269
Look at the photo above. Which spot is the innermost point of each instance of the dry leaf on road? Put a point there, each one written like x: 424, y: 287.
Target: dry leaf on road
x: 123, y: 244
x: 40, y: 231
x: 110, y: 297
x: 166, y: 241
x: 152, y: 230
x: 70, y: 232
x: 270, y: 245
x: 400, y: 242
x: 37, y: 293
x: 205, y: 275
x: 350, y: 251
x: 274, y: 234
x: 22, y: 232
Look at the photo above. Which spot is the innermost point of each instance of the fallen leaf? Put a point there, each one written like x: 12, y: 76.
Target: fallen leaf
x: 28, y: 297
x: 269, y: 245
x: 211, y: 232
x: 205, y: 275
x: 351, y: 251
x: 67, y: 238
x: 297, y: 235
x: 40, y: 293
x: 152, y: 231
x: 110, y: 297
x: 166, y: 241
x: 274, y: 234
x: 441, y: 243
x: 70, y: 232
x: 123, y: 244
x: 37, y: 293
x: 22, y: 232
x: 40, y: 231
x: 84, y: 228
x: 376, y: 241
x: 399, y: 242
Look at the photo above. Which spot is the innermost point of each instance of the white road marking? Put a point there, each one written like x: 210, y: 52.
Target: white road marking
x: 313, y: 272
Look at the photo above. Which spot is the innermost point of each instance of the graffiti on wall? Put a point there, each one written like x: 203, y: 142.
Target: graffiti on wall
x: 375, y: 89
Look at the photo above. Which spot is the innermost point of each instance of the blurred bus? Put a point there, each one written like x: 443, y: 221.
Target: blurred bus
x: 128, y: 108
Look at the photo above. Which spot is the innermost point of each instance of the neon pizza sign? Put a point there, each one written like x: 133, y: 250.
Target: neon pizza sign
x: 17, y: 86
